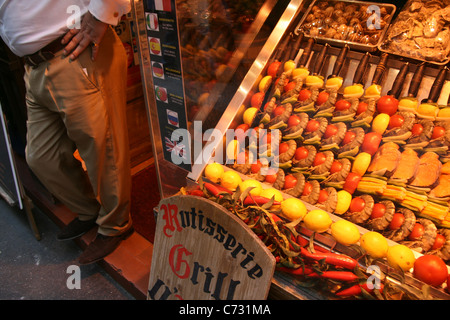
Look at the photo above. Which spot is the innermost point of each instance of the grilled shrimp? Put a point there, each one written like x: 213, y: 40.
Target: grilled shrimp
x: 313, y: 196
x: 296, y: 131
x: 306, y: 163
x: 286, y: 156
x: 424, y: 137
x: 353, y: 145
x: 328, y: 106
x: 308, y: 104
x: 343, y: 173
x: 444, y: 251
x: 297, y: 190
x: 361, y: 216
x: 406, y: 227
x: 337, y: 138
x: 408, y: 122
x: 339, y: 115
x: 383, y: 222
x: 284, y: 117
x: 365, y: 118
x: 330, y: 204
x: 315, y: 136
x: 425, y: 243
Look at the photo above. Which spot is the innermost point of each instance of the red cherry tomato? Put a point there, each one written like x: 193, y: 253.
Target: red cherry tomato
x: 330, y: 131
x: 357, y: 204
x: 438, y: 242
x: 255, y: 167
x: 289, y: 181
x: 438, y: 132
x: 244, y: 127
x: 417, y: 232
x: 322, y: 98
x: 319, y: 159
x: 272, y: 70
x: 284, y: 146
x: 312, y: 125
x: 278, y: 111
x: 397, y: 221
x: 323, y: 196
x: 362, y: 107
x: 304, y: 95
x: 271, y: 178
x: 430, y: 269
x: 379, y: 209
x: 257, y: 100
x: 307, y: 189
x: 301, y: 153
x: 371, y: 142
x: 289, y: 86
x: 336, y: 166
x: 387, y: 104
x: 351, y: 182
x: 396, y: 121
x: 417, y: 129
x: 349, y: 137
x: 293, y: 120
x: 342, y: 105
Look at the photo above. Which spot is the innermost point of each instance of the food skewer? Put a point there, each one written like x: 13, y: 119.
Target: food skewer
x: 327, y: 98
x: 398, y: 124
x: 346, y: 107
x: 270, y: 85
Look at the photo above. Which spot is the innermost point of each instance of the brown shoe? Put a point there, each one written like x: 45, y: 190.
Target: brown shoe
x: 102, y: 246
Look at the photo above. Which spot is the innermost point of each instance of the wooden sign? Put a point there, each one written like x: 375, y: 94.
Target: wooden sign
x: 203, y: 252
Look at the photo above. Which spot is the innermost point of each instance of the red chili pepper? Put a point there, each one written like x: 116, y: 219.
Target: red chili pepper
x: 300, y: 271
x: 355, y: 290
x: 252, y: 200
x: 365, y: 287
x: 211, y: 188
x: 351, y: 291
x: 198, y: 193
x: 336, y: 275
x: 275, y: 217
x: 215, y: 189
x: 335, y: 259
x: 222, y: 188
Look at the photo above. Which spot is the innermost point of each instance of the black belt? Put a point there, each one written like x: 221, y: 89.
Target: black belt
x: 45, y: 54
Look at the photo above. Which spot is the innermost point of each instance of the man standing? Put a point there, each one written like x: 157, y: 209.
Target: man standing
x: 76, y: 98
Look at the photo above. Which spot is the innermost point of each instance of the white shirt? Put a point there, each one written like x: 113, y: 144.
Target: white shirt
x: 27, y: 26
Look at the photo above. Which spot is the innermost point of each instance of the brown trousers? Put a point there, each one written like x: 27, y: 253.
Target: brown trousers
x: 81, y: 105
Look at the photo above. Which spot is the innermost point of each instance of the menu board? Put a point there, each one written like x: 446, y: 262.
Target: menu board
x: 164, y: 47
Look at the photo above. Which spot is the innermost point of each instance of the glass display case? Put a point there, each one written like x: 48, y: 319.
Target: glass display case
x: 204, y: 64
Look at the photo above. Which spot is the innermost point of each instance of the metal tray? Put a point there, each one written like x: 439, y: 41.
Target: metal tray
x: 323, y: 38
x: 383, y: 43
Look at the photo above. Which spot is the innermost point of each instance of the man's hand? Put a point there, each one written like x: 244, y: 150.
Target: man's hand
x: 90, y: 34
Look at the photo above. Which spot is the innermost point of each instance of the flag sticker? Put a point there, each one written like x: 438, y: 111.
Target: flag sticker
x: 163, y: 5
x: 178, y: 149
x: 152, y: 21
x: 172, y: 118
x: 158, y: 70
x: 155, y: 46
x: 161, y: 94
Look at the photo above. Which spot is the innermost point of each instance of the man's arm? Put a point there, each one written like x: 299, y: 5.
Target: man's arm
x: 95, y: 22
